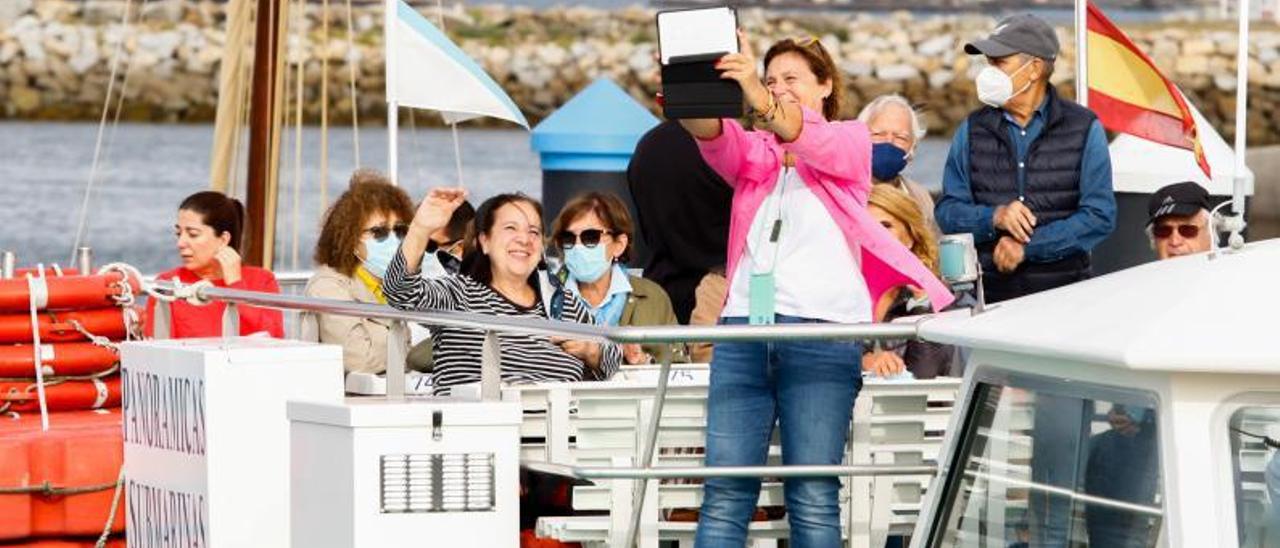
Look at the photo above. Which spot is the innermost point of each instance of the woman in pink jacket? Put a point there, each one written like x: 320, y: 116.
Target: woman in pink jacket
x: 802, y: 249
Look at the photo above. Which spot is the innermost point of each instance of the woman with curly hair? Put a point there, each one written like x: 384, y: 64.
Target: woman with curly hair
x: 362, y: 231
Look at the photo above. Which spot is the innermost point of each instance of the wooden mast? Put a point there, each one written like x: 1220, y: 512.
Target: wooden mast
x: 264, y: 135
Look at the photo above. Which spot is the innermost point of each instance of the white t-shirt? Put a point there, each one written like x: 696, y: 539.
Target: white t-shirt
x: 815, y: 275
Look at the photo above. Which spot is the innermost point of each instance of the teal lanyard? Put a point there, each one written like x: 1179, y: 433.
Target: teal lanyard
x: 774, y: 234
x: 762, y: 287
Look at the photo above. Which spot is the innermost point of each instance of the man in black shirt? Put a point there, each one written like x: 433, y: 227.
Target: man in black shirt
x: 683, y: 210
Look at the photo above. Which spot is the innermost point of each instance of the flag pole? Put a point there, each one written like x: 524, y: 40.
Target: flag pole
x: 1082, y: 53
x: 1242, y: 110
x: 393, y: 101
x: 453, y: 125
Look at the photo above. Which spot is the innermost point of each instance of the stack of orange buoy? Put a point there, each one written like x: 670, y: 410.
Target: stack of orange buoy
x: 58, y: 486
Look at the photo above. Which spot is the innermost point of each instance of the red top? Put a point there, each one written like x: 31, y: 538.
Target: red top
x: 190, y: 321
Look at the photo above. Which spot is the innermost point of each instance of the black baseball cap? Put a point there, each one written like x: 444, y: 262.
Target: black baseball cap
x: 1186, y: 198
x: 1022, y: 33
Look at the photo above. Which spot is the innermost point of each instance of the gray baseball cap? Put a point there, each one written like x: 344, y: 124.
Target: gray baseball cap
x: 1022, y: 33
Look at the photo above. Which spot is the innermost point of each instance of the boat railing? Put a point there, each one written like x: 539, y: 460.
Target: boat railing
x: 490, y: 383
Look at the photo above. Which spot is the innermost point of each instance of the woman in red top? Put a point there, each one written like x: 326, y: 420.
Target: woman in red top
x: 208, y: 233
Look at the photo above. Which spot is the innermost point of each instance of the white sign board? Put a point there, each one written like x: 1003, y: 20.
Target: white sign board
x: 207, y: 440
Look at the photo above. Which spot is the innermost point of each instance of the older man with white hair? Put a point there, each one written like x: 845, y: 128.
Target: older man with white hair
x: 1178, y: 220
x: 896, y: 130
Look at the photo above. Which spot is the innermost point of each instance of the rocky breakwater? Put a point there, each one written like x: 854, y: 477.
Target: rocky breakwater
x: 56, y: 58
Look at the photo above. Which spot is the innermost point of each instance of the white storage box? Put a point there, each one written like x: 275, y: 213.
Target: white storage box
x: 206, y: 447
x: 371, y: 472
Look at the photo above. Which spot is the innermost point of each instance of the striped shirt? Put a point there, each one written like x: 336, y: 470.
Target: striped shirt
x: 525, y: 358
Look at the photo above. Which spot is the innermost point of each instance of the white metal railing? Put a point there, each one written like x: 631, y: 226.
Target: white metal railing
x: 490, y: 366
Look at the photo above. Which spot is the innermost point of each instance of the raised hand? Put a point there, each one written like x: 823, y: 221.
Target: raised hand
x: 229, y: 261
x: 437, y: 208
x: 741, y: 67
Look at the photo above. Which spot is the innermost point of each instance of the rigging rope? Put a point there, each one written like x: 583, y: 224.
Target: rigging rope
x: 111, y: 517
x: 297, y: 138
x: 324, y: 105
x: 102, y: 124
x: 351, y: 68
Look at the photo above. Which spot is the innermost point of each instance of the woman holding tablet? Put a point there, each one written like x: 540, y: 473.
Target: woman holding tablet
x: 802, y: 249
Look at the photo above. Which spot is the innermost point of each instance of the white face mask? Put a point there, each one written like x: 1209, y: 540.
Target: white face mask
x: 995, y: 88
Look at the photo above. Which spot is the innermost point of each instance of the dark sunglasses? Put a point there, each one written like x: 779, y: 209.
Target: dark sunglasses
x: 589, y: 237
x: 1186, y: 231
x: 381, y: 232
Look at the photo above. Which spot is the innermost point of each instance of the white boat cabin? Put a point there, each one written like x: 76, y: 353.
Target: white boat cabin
x: 1122, y: 411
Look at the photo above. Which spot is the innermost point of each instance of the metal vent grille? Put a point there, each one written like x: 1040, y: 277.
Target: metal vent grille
x: 437, y: 482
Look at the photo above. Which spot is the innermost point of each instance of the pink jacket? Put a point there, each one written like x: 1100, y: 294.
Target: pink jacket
x: 834, y: 160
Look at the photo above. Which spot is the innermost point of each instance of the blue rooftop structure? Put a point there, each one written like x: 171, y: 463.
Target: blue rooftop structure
x: 597, y: 130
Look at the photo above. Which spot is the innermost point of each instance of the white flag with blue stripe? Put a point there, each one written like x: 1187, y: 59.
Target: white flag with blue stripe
x: 426, y: 70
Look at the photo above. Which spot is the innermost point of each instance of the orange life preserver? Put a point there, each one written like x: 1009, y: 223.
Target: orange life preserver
x: 81, y: 451
x: 62, y: 359
x: 49, y: 271
x: 64, y: 396
x: 63, y: 292
x: 68, y: 542
x: 55, y: 327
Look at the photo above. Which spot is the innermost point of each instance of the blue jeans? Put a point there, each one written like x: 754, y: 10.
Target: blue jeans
x: 808, y: 388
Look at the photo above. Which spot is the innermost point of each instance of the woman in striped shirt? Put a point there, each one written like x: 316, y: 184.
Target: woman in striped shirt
x: 502, y: 275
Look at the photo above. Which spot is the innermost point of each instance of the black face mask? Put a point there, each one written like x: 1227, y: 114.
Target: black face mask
x: 451, y: 264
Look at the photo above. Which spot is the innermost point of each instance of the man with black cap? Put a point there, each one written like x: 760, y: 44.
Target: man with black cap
x: 1178, y: 220
x: 1029, y: 175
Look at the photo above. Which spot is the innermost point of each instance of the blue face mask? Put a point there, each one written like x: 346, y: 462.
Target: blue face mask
x: 586, y: 264
x: 378, y: 255
x: 887, y: 161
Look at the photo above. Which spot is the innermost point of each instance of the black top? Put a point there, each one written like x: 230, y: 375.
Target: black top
x: 682, y: 207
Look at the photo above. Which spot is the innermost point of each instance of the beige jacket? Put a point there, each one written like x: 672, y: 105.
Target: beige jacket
x: 363, y: 340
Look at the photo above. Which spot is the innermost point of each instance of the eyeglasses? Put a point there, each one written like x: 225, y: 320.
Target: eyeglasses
x: 902, y: 140
x: 589, y: 237
x: 1186, y: 231
x: 381, y: 232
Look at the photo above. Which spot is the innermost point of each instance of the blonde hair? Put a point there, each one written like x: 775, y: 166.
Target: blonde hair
x: 898, y: 204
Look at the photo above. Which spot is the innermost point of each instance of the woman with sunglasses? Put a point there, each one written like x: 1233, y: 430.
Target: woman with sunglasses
x: 593, y: 235
x: 361, y: 232
x: 503, y: 275
x: 802, y: 249
x: 900, y: 214
x: 208, y: 232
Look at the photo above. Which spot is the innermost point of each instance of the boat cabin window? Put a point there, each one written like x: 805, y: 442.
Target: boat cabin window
x: 1256, y: 470
x: 1051, y: 463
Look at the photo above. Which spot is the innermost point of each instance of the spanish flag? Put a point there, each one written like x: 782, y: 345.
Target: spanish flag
x: 1129, y: 94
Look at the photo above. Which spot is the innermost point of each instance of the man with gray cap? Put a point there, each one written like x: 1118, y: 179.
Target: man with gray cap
x: 1029, y: 175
